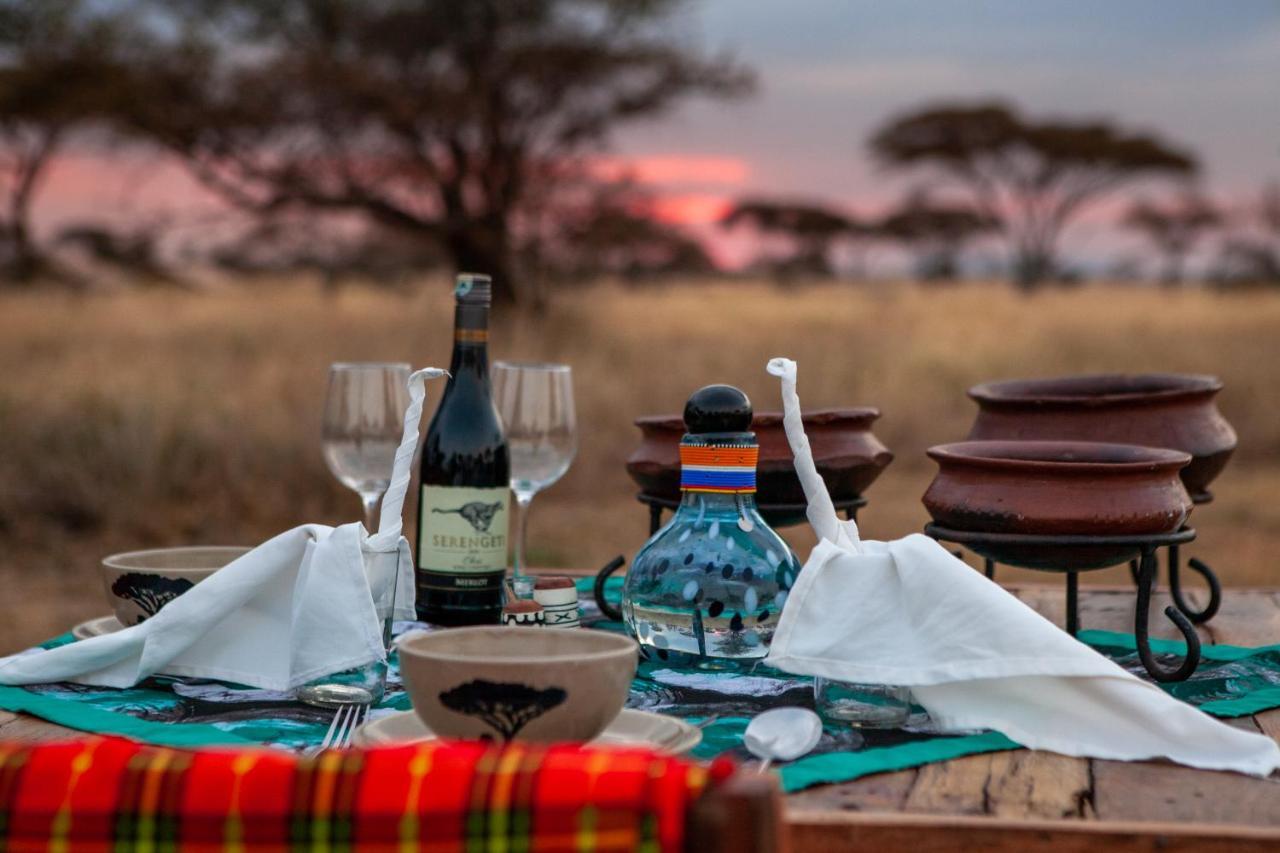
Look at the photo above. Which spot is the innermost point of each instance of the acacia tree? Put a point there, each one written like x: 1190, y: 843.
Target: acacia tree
x: 592, y: 228
x: 810, y: 230
x: 436, y: 117
x: 1032, y: 177
x: 55, y: 78
x: 935, y: 232
x: 1173, y: 228
x: 1250, y: 252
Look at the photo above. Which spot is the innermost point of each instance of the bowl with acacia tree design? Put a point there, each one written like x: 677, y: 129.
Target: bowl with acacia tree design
x: 517, y: 683
x: 138, y: 583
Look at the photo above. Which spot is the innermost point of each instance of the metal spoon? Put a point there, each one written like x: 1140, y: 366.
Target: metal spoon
x: 782, y: 734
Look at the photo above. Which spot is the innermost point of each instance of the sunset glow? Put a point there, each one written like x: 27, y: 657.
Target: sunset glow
x: 675, y: 168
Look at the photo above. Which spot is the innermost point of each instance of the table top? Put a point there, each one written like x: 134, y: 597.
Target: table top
x: 1025, y: 800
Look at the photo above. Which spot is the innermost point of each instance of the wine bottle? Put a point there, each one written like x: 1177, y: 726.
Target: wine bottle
x: 465, y: 475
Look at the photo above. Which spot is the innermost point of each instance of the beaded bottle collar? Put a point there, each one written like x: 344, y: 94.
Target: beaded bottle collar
x: 723, y: 465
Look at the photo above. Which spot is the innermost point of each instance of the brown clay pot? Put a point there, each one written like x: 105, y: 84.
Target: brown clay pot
x: 1058, y: 488
x: 847, y: 453
x: 1153, y: 410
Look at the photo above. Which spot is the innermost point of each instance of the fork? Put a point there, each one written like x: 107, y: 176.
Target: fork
x: 345, y: 721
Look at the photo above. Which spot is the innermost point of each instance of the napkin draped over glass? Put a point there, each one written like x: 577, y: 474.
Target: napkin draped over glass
x: 296, y: 608
x: 908, y: 612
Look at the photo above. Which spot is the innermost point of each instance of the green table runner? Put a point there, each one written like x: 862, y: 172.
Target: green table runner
x: 1232, y: 681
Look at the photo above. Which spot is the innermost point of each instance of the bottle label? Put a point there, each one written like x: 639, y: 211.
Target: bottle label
x: 464, y: 529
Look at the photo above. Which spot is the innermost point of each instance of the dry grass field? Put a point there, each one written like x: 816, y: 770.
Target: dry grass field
x: 155, y: 418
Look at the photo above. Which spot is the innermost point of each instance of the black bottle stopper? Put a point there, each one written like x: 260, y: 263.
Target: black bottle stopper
x: 717, y: 408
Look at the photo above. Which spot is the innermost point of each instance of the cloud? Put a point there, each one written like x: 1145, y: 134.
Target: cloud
x: 675, y: 169
x: 690, y: 208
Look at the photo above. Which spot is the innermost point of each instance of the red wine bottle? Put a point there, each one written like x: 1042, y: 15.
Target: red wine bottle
x: 465, y: 475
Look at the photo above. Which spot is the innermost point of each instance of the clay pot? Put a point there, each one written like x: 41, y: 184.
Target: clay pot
x: 1058, y: 488
x: 1153, y: 410
x: 848, y: 455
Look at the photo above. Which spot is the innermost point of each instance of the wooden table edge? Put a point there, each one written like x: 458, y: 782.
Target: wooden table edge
x: 826, y: 830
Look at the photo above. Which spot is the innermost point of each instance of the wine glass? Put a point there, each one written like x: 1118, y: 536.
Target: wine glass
x: 535, y: 401
x: 363, y: 422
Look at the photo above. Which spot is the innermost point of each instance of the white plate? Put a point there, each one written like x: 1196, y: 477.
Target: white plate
x: 630, y: 728
x: 97, y: 627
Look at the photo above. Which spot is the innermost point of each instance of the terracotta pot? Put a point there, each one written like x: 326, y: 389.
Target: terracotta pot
x: 1153, y: 410
x: 848, y: 455
x: 1058, y: 488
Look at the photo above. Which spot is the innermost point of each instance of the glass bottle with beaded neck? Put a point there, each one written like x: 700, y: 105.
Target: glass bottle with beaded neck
x: 707, y: 588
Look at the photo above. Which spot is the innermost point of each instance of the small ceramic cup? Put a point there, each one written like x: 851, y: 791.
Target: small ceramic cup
x: 559, y: 599
x: 138, y: 583
x: 523, y: 613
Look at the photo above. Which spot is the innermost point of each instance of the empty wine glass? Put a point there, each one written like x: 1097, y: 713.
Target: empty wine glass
x: 535, y: 401
x: 363, y: 421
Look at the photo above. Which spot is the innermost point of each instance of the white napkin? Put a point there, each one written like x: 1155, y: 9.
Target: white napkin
x: 298, y: 607
x: 907, y: 612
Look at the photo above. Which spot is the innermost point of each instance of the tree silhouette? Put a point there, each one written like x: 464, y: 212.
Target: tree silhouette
x: 150, y: 592
x: 811, y: 231
x: 505, y: 708
x: 1173, y: 228
x: 56, y: 76
x: 1250, y: 253
x: 1032, y: 177
x: 595, y: 227
x: 437, y: 117
x: 935, y: 233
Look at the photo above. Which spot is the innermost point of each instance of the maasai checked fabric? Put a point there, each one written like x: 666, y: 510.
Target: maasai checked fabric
x: 720, y: 468
x: 103, y: 793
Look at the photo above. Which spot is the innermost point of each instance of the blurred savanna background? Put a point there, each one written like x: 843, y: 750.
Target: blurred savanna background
x: 203, y: 203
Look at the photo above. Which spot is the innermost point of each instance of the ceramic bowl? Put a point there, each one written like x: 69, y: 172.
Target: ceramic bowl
x: 1058, y: 488
x: 503, y: 684
x: 848, y: 454
x: 1151, y: 409
x: 138, y: 583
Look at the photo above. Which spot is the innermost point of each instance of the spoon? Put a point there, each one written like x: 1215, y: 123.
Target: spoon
x: 782, y: 734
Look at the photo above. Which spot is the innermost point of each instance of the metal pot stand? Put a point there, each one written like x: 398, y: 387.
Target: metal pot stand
x: 996, y: 547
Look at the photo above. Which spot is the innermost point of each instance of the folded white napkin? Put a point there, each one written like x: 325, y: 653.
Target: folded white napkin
x: 300, y: 606
x: 907, y: 612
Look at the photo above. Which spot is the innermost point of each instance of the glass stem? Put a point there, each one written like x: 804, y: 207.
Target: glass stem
x: 519, y: 565
x: 371, y: 501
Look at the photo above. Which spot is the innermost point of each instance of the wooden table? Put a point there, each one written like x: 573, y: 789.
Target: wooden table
x: 1023, y: 800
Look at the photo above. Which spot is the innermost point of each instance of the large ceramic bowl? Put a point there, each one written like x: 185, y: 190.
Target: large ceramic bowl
x: 1058, y: 488
x: 1153, y: 409
x: 847, y: 453
x: 518, y: 683
x: 138, y: 583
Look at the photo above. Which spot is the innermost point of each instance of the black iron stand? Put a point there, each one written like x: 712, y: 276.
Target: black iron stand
x: 1197, y: 566
x: 1144, y: 568
x: 772, y: 512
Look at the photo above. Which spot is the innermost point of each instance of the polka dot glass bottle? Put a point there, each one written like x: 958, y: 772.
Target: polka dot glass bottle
x: 708, y: 587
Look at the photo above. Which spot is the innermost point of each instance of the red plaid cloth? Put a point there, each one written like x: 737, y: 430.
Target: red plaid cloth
x: 104, y: 793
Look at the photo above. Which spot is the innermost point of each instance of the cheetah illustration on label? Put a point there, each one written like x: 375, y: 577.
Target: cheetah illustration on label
x: 479, y: 515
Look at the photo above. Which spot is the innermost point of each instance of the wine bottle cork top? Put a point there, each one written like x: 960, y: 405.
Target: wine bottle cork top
x: 553, y: 582
x: 473, y: 288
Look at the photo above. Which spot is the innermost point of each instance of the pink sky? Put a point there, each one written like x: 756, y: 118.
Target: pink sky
x: 832, y: 71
